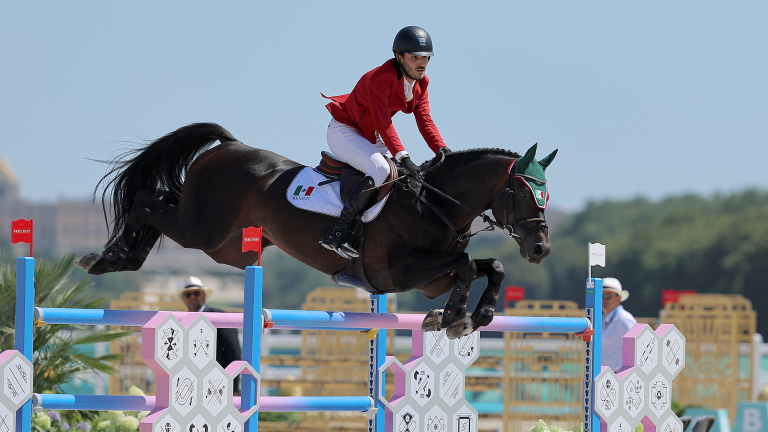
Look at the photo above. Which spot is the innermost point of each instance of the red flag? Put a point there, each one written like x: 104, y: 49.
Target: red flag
x: 513, y: 293
x: 22, y: 232
x: 252, y: 240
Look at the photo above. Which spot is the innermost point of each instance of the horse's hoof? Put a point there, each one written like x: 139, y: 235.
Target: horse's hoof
x: 86, y: 262
x: 459, y: 329
x: 482, y: 318
x: 96, y: 264
x: 433, y: 321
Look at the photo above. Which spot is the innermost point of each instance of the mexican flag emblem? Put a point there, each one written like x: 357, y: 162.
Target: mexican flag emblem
x: 540, y: 194
x: 303, y: 191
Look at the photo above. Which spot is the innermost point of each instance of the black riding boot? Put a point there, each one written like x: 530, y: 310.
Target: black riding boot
x: 337, y: 239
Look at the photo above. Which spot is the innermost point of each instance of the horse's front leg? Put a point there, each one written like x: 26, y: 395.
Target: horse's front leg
x: 420, y: 269
x: 486, y: 306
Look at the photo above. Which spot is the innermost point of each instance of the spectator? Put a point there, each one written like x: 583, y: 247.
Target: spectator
x: 616, y: 322
x: 228, y: 349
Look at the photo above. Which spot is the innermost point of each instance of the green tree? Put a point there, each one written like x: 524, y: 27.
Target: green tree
x: 59, y: 353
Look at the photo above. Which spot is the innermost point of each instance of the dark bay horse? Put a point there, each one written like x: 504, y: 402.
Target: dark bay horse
x: 202, y: 197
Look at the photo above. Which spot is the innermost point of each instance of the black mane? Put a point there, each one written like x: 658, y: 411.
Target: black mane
x: 476, y: 153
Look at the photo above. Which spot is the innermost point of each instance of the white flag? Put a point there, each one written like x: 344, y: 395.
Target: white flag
x: 596, y: 254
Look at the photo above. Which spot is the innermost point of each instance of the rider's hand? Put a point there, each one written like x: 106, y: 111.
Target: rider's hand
x: 444, y: 150
x: 411, y: 168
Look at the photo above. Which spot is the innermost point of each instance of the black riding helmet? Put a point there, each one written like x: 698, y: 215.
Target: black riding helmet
x: 413, y: 40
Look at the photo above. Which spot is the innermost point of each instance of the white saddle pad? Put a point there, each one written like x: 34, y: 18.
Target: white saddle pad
x: 305, y: 194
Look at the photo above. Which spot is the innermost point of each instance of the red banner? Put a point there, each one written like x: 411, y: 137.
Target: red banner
x: 252, y: 240
x: 22, y: 232
x: 513, y: 293
x: 673, y: 296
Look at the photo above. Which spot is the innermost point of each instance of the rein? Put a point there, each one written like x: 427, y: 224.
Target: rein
x: 492, y: 223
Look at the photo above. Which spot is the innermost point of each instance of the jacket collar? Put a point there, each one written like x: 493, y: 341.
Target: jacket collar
x: 401, y: 83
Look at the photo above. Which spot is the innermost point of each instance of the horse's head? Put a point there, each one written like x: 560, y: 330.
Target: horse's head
x: 522, y: 203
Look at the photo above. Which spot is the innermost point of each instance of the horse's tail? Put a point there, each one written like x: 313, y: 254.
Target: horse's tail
x: 159, y: 166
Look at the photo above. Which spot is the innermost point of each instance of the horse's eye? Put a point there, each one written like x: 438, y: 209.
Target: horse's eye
x: 523, y: 193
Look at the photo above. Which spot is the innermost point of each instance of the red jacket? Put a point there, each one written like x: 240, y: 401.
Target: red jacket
x: 377, y: 97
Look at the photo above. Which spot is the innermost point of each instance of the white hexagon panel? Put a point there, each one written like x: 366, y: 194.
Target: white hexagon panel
x: 194, y: 393
x: 198, y: 424
x: 633, y: 395
x: 437, y: 346
x: 464, y: 419
x: 216, y: 390
x: 670, y: 424
x: 659, y: 396
x: 407, y: 420
x: 650, y: 360
x: 7, y: 419
x: 428, y: 391
x: 451, y: 384
x: 672, y: 349
x: 467, y: 348
x: 641, y: 348
x: 436, y: 420
x: 162, y: 345
x: 607, y: 394
x: 16, y: 373
x: 620, y: 425
x: 231, y: 423
x: 422, y: 382
x: 165, y: 423
x: 185, y: 393
x: 201, y: 342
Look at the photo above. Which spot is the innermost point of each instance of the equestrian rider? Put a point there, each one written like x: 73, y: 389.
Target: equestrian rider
x: 361, y: 131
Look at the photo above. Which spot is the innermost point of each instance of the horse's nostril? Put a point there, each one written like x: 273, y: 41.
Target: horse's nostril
x: 538, y: 250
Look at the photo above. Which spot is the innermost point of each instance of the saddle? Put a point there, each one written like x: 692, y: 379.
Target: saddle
x: 347, y: 176
x: 336, y: 169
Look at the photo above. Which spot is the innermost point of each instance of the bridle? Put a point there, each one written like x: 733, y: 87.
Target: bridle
x: 507, y: 229
x: 510, y: 189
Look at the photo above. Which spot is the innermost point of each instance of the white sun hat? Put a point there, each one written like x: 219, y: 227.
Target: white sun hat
x: 193, y: 283
x: 613, y: 285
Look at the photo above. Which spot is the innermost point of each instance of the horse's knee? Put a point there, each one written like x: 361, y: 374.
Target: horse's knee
x: 496, y: 275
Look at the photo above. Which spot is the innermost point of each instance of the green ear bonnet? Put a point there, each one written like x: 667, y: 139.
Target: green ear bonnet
x: 531, y: 172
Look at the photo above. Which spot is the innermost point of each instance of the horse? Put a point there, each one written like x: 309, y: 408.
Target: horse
x: 202, y: 197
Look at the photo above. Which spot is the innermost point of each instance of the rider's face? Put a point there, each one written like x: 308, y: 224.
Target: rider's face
x: 416, y: 66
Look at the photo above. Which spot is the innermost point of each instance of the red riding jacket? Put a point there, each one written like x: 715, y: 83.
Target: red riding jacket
x: 377, y: 97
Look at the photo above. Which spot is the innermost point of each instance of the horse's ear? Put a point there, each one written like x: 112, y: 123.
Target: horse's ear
x: 548, y: 160
x: 522, y: 164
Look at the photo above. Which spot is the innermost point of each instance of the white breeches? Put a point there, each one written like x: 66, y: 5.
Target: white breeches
x: 351, y: 147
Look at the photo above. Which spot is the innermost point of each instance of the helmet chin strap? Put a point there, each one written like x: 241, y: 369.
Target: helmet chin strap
x: 403, y: 69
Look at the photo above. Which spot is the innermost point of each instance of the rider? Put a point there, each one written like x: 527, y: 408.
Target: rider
x: 361, y: 131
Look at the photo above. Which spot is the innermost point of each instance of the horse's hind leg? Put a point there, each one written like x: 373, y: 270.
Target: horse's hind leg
x: 188, y: 229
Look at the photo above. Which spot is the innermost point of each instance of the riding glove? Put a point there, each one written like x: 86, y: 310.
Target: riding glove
x: 411, y: 168
x: 444, y: 150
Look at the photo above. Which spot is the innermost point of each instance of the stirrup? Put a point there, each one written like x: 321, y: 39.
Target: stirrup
x: 346, y: 249
x: 328, y: 243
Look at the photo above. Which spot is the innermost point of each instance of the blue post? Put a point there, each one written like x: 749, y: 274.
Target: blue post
x: 252, y: 326
x: 25, y: 303
x: 377, y: 353
x: 592, y: 352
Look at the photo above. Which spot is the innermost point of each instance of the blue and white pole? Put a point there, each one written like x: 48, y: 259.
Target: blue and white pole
x: 25, y: 327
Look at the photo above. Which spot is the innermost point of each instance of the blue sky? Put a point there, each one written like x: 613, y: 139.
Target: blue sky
x: 642, y: 98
